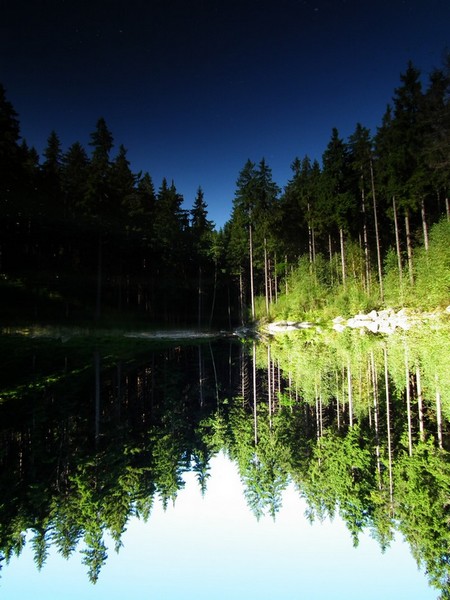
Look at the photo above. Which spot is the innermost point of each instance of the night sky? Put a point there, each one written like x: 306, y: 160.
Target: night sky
x: 194, y: 88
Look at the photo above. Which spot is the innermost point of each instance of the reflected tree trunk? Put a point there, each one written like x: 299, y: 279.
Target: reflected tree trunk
x: 376, y: 415
x: 338, y: 411
x: 97, y: 395
x: 438, y: 413
x: 255, y: 413
x: 408, y: 401
x: 420, y: 404
x: 349, y: 393
x: 200, y: 376
x: 269, y: 384
x: 388, y: 426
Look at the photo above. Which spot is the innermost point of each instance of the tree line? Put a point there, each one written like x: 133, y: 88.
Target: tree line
x: 81, y: 229
x: 84, y: 230
x: 357, y: 218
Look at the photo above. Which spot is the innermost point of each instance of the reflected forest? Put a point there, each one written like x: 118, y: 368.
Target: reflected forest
x: 106, y: 402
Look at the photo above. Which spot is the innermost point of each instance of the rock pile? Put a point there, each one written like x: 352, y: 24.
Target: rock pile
x: 383, y: 321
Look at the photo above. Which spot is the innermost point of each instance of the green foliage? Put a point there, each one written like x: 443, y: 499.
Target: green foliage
x: 432, y: 289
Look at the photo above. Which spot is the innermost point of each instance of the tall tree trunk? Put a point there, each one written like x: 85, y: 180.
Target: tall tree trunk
x: 97, y: 395
x: 200, y: 376
x: 447, y: 208
x: 338, y: 411
x: 388, y: 426
x: 286, y: 274
x: 213, y: 301
x: 266, y: 277
x: 408, y: 402
x: 255, y: 414
x: 269, y: 384
x: 438, y: 413
x: 397, y: 245
x: 318, y: 430
x: 330, y: 251
x: 350, y: 393
x: 420, y: 404
x: 365, y: 236
x: 252, y: 288
x: 341, y: 239
x: 377, y: 235
x: 275, y: 278
x: 375, y: 416
x: 98, y: 302
x: 310, y: 239
x: 241, y: 296
x: 409, y: 251
x: 199, y: 307
x: 424, y: 225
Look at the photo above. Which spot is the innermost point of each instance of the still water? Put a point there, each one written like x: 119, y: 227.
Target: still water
x: 305, y: 467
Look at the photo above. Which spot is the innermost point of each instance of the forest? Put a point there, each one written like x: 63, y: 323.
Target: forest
x: 84, y: 239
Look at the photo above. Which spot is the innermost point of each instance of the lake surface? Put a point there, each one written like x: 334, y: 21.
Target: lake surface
x: 301, y: 466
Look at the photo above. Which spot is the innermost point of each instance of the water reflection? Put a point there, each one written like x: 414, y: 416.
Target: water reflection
x: 94, y: 435
x: 212, y: 547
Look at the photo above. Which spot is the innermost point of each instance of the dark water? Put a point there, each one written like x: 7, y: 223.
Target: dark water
x: 96, y: 432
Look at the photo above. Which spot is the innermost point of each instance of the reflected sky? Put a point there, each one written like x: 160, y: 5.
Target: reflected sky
x: 213, y: 548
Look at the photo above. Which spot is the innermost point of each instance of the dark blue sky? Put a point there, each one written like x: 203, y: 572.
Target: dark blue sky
x: 193, y: 88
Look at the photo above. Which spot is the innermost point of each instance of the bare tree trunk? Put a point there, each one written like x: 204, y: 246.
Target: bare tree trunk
x: 286, y: 274
x: 252, y: 289
x: 266, y: 277
x: 275, y: 278
x: 199, y: 308
x: 365, y: 236
x: 241, y: 296
x: 375, y: 416
x: 318, y: 431
x: 388, y: 426
x: 349, y: 393
x: 409, y: 251
x: 313, y: 237
x: 338, y: 411
x: 97, y: 395
x: 330, y: 251
x: 213, y: 302
x: 397, y: 244
x: 200, y: 376
x: 420, y: 404
x: 438, y: 414
x: 408, y: 402
x: 377, y: 235
x: 255, y: 414
x: 98, y: 302
x: 269, y: 384
x: 424, y: 225
x: 447, y: 208
x: 310, y: 238
x: 341, y: 239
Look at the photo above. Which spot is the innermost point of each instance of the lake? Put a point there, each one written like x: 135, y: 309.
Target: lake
x: 310, y: 464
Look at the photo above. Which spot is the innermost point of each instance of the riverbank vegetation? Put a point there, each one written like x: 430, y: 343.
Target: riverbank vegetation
x: 83, y: 237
